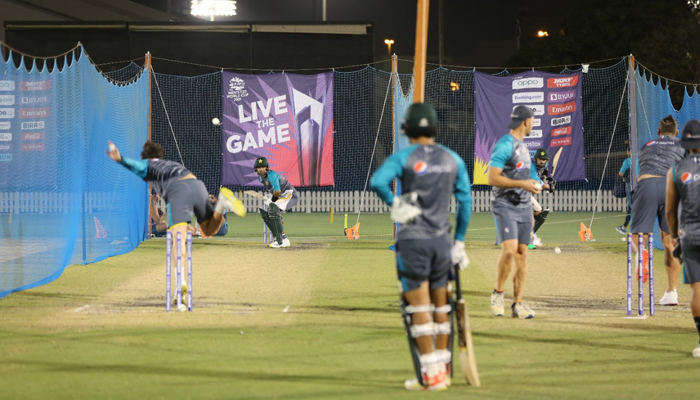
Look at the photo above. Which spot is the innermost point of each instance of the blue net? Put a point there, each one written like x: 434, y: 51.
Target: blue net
x: 62, y: 200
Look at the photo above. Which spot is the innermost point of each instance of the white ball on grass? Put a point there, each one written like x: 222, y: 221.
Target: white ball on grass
x: 557, y: 250
x: 696, y: 352
x: 182, y: 308
x: 216, y: 121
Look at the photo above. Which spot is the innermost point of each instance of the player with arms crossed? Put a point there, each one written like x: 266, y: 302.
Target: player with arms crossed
x: 655, y: 159
x: 514, y: 182
x: 181, y: 190
x: 683, y: 186
x: 429, y: 174
x: 280, y: 196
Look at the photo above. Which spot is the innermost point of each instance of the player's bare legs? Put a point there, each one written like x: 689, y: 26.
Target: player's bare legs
x: 673, y: 267
x: 505, y: 262
x: 211, y: 226
x: 520, y: 273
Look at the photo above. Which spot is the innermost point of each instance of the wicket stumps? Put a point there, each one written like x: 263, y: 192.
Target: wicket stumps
x: 179, y: 272
x: 640, y: 273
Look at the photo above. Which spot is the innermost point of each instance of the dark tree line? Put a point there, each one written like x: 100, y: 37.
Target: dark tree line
x: 663, y: 35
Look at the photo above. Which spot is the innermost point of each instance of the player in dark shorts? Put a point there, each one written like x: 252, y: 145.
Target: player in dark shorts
x: 656, y: 157
x: 181, y: 190
x: 514, y: 182
x: 429, y: 174
x: 683, y: 187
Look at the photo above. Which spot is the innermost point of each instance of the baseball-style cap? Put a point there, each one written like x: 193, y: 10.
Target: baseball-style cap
x: 518, y: 115
x: 690, y: 138
x: 542, y: 154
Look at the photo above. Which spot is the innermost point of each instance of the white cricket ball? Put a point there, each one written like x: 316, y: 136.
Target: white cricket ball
x: 216, y: 121
x: 557, y: 250
x: 538, y: 186
x: 182, y: 308
x: 696, y: 352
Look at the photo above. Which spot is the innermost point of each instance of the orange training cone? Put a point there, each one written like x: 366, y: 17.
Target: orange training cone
x: 354, y: 232
x: 585, y: 234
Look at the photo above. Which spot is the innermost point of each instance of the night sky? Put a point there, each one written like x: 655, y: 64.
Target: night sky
x: 476, y: 33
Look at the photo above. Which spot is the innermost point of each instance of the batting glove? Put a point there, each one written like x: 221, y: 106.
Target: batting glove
x: 267, y: 199
x: 403, y: 211
x: 459, y: 255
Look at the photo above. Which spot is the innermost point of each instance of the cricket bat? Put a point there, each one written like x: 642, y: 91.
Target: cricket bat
x: 467, y: 359
x: 253, y: 193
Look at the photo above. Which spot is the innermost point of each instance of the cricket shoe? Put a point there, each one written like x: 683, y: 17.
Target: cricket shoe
x: 285, y: 243
x: 231, y: 203
x: 621, y: 230
x: 437, y: 383
x: 497, y: 305
x: 537, y: 241
x: 522, y: 311
x: 669, y: 298
x: 531, y: 246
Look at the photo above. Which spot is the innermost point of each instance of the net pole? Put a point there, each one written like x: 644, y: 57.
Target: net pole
x: 394, y: 76
x: 147, y: 65
x: 421, y: 50
x: 632, y: 100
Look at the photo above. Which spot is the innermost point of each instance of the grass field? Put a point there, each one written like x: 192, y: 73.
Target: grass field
x: 100, y: 330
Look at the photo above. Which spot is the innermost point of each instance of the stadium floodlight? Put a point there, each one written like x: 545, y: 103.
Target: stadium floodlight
x: 389, y: 42
x: 211, y: 8
x: 542, y: 33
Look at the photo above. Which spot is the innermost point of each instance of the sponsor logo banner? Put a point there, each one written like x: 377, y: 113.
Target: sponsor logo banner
x: 5, y: 125
x: 7, y: 113
x: 25, y: 126
x: 287, y: 118
x: 31, y: 86
x: 33, y: 136
x: 7, y: 86
x: 34, y: 112
x: 7, y: 99
x: 5, y: 137
x: 556, y: 102
x: 33, y: 146
x: 5, y: 156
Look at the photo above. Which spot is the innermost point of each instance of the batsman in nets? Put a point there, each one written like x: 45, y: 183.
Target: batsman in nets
x: 429, y: 174
x: 280, y: 196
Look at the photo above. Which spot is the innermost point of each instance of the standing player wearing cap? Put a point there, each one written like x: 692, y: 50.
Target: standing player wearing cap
x: 280, y: 196
x: 429, y: 174
x: 655, y: 159
x: 683, y: 186
x: 513, y: 183
x: 539, y: 167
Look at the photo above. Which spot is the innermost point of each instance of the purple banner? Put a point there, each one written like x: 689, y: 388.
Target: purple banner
x: 558, y: 127
x: 286, y: 118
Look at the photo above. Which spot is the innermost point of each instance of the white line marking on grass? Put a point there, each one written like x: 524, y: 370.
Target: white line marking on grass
x: 79, y: 309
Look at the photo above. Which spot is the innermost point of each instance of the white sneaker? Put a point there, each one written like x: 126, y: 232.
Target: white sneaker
x: 696, y: 352
x: 669, y: 298
x: 497, y: 307
x: 522, y: 311
x: 285, y: 243
x: 438, y: 383
x: 537, y: 241
x: 231, y: 203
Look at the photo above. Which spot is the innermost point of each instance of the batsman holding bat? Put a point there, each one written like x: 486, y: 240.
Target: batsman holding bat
x: 429, y: 174
x: 279, y: 196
